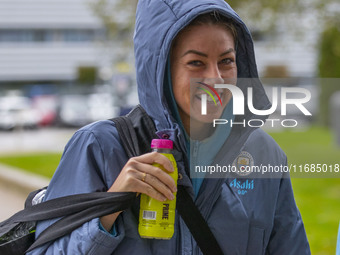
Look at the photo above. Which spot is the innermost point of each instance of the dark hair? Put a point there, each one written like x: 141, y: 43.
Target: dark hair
x: 215, y: 18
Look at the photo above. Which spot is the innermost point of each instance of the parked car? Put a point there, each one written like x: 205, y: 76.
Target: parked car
x: 101, y: 106
x: 46, y: 106
x: 17, y: 112
x: 79, y: 110
x: 72, y: 110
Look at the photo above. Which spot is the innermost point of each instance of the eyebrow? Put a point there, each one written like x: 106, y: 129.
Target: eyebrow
x: 205, y: 55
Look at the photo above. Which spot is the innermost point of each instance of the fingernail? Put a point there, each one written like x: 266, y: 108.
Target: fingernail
x: 172, y: 197
x: 175, y: 189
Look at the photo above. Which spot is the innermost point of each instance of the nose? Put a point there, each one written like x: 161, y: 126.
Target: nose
x: 213, y: 75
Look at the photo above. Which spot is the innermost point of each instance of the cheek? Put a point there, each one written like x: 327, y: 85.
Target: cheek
x: 181, y: 89
x: 182, y: 97
x: 230, y: 73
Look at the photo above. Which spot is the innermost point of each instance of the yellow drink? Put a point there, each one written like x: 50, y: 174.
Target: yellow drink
x: 156, y: 218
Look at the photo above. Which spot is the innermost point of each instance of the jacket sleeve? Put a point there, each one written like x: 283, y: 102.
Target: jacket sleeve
x: 288, y: 235
x: 87, y: 165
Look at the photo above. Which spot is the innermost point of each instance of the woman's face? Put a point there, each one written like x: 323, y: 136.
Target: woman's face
x: 206, y: 53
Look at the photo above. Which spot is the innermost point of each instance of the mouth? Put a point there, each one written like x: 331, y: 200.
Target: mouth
x: 212, y: 98
x: 215, y: 98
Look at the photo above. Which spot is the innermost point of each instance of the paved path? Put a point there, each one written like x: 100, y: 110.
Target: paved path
x: 11, y: 199
x: 48, y: 139
x: 15, y: 185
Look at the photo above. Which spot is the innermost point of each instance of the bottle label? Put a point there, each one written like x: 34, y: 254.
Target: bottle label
x: 149, y: 215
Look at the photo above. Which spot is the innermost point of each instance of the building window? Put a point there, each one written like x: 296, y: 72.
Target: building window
x: 16, y: 36
x: 42, y: 35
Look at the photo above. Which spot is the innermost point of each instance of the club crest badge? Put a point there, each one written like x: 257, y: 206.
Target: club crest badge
x: 244, y: 163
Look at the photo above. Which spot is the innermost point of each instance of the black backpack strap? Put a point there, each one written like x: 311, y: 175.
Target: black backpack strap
x: 75, y: 210
x: 196, y: 223
x: 127, y: 136
x: 136, y: 130
x: 78, y: 209
x: 140, y: 134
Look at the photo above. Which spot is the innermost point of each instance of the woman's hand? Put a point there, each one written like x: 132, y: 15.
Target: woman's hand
x: 139, y: 175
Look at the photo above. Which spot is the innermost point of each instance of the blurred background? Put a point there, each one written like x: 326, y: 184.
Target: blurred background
x: 64, y: 64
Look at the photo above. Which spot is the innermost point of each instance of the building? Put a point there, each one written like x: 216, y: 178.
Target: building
x: 43, y: 41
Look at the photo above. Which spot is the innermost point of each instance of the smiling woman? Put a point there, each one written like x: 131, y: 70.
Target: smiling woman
x: 182, y: 49
x: 205, y: 49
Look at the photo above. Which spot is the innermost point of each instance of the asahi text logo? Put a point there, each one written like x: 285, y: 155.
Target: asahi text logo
x: 242, y: 187
x: 239, y: 103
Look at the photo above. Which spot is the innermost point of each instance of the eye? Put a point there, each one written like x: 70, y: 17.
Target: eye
x: 195, y: 63
x: 227, y: 61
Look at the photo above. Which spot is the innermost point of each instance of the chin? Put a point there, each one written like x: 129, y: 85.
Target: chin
x: 209, y: 118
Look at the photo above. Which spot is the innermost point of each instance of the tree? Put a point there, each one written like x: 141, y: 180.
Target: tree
x: 118, y: 18
x: 329, y: 69
x: 266, y: 14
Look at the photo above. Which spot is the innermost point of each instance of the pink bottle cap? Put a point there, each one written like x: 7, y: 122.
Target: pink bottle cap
x: 161, y: 144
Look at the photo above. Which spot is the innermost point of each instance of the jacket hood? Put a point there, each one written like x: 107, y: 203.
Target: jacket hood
x: 157, y: 24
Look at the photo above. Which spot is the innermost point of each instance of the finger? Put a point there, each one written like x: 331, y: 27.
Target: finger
x: 155, y: 157
x: 157, y: 173
x: 158, y: 185
x: 147, y: 189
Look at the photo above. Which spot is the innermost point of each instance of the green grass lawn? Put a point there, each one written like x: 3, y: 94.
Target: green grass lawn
x: 40, y: 163
x: 317, y: 198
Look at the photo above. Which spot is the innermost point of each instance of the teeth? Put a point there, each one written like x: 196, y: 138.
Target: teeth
x: 209, y: 99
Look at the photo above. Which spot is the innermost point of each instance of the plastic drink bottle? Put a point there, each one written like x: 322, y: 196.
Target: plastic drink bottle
x: 156, y: 218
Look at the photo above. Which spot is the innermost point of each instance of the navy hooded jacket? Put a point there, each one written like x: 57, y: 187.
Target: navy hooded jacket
x: 247, y: 215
